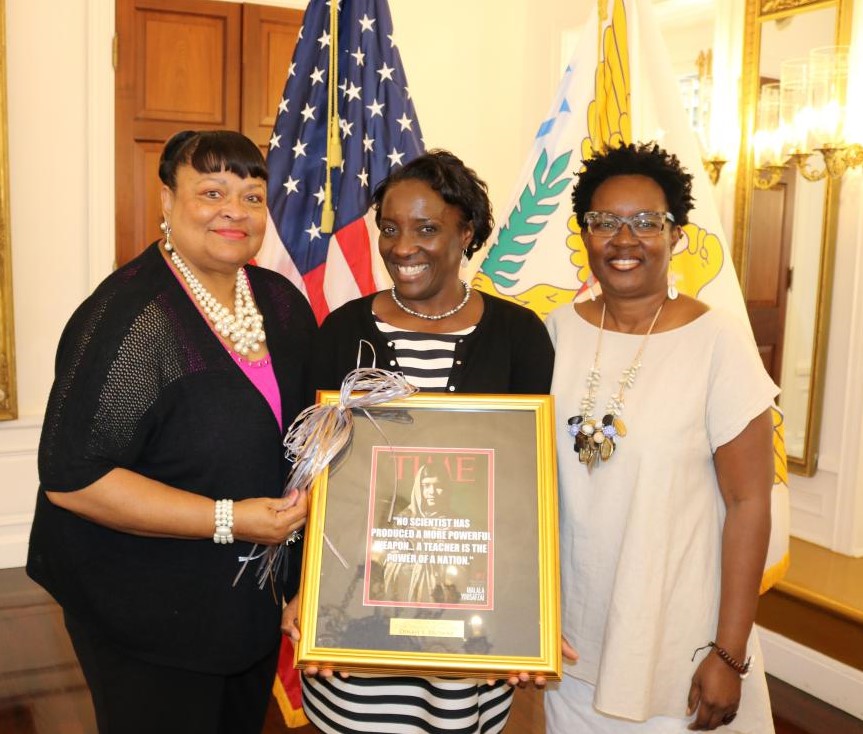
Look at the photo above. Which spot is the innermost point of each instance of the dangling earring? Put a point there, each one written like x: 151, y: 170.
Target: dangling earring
x: 166, y: 230
x: 590, y: 282
x: 464, y: 260
x: 673, y: 277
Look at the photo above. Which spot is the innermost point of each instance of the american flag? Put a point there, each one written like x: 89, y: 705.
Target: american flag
x: 379, y: 131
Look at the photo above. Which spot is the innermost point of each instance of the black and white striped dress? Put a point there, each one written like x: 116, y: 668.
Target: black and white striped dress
x: 401, y: 704
x: 424, y: 359
x: 406, y: 705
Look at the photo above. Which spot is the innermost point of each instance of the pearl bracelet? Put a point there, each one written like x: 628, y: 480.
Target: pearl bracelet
x: 223, y: 532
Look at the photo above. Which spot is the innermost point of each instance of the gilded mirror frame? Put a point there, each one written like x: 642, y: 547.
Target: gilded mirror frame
x: 8, y: 393
x: 758, y: 12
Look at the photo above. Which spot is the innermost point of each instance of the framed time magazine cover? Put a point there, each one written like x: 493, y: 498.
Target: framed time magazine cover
x: 431, y: 544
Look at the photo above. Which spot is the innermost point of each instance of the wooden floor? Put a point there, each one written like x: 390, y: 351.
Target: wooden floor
x: 42, y: 690
x: 794, y: 712
x: 831, y: 580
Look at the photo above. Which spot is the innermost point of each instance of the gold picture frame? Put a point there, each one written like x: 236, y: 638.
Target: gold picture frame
x: 8, y: 392
x: 431, y: 546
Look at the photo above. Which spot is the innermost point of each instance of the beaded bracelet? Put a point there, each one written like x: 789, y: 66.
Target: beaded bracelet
x: 224, y: 524
x: 742, y: 669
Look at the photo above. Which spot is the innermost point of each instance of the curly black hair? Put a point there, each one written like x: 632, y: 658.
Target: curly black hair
x: 211, y: 151
x: 457, y: 185
x: 642, y: 159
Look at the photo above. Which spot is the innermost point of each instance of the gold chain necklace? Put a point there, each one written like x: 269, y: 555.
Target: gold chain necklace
x: 594, y: 439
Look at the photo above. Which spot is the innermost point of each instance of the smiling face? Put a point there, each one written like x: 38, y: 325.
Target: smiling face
x: 421, y: 242
x: 627, y: 265
x: 217, y: 219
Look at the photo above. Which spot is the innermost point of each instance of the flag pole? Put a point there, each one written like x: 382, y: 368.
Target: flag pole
x: 334, y: 148
x: 601, y: 17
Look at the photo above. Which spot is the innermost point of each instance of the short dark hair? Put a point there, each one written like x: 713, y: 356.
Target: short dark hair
x: 457, y: 185
x: 211, y: 151
x: 640, y: 159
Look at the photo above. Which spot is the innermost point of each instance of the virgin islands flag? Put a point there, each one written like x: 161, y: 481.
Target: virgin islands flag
x: 619, y: 87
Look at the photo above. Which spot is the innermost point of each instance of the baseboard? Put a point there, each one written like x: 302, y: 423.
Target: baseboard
x: 19, y: 443
x: 833, y: 682
x: 14, y: 539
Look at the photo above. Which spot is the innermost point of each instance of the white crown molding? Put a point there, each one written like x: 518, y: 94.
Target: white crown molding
x: 684, y: 12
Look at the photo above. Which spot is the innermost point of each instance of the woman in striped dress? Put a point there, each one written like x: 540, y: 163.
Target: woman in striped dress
x: 433, y: 214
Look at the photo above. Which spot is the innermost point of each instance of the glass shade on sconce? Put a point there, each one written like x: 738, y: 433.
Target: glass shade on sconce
x: 828, y: 82
x: 712, y: 159
x: 828, y: 89
x: 795, y: 113
x: 768, y: 140
x: 805, y: 114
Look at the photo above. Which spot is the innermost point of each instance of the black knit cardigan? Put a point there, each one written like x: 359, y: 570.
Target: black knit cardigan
x: 143, y: 383
x: 509, y: 351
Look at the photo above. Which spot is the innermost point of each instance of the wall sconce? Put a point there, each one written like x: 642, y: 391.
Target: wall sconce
x: 768, y: 141
x: 713, y: 166
x: 804, y: 115
x: 712, y: 160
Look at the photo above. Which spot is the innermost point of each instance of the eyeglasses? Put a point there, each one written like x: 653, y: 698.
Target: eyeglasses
x: 642, y: 224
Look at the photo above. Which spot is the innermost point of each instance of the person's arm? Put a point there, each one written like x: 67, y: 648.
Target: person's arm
x: 131, y: 503
x: 744, y: 470
x: 337, y: 337
x: 533, y: 358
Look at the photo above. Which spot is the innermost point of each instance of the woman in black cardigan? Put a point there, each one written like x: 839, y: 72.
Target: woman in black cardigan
x: 433, y: 214
x: 161, y: 462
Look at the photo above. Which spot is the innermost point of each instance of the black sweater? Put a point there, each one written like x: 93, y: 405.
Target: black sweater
x: 142, y: 383
x: 509, y: 351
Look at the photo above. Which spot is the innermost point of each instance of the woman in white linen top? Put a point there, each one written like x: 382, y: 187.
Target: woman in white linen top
x: 665, y: 519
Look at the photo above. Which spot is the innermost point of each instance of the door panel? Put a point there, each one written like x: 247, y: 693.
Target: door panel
x: 768, y: 276
x: 149, y: 209
x: 178, y: 68
x: 181, y: 68
x: 269, y: 37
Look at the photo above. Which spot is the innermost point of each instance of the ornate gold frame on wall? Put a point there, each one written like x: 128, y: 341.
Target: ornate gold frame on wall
x: 8, y: 394
x: 757, y: 12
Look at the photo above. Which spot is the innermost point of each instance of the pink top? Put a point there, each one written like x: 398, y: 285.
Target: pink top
x: 262, y: 376
x: 260, y: 371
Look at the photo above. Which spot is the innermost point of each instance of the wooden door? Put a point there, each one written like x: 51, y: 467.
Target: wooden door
x: 189, y: 64
x: 269, y: 37
x: 178, y: 68
x: 769, y: 276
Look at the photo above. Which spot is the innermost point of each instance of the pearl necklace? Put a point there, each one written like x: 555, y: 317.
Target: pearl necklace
x: 243, y: 328
x: 595, y: 439
x: 437, y: 316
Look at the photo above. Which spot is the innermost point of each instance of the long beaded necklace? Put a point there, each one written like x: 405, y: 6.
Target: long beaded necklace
x: 245, y: 327
x: 436, y: 316
x: 594, y: 439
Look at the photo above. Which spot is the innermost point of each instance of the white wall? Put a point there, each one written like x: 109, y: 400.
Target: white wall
x: 827, y: 508
x: 48, y: 175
